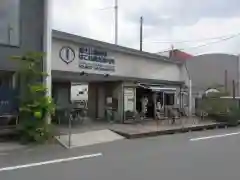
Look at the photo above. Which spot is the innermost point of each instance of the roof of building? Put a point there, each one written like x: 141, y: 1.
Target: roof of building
x: 113, y: 47
x: 180, y: 55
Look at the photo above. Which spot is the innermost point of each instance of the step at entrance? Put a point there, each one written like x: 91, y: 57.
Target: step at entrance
x: 88, y: 138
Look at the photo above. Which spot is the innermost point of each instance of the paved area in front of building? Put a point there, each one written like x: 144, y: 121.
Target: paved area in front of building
x: 160, y: 127
x: 147, y: 126
x: 88, y: 138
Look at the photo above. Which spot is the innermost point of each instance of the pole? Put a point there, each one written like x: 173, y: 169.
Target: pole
x: 116, y: 21
x: 69, y: 129
x: 226, y: 81
x: 141, y: 32
x: 238, y: 82
x: 9, y: 29
x: 190, y: 98
x: 47, y: 48
x: 180, y: 98
x: 233, y: 89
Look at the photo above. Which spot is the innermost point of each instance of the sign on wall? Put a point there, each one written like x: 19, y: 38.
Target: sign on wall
x: 129, y: 99
x: 67, y: 54
x: 88, y: 58
x: 91, y: 58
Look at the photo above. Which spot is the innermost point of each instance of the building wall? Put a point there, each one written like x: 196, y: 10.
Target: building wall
x: 31, y: 33
x: 125, y: 64
x: 184, y: 74
x: 98, y: 92
x: 208, y: 70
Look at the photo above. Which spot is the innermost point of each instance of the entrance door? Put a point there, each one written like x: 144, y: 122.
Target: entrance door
x: 169, y: 99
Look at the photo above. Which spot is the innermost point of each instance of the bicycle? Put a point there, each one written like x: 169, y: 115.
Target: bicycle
x: 77, y: 115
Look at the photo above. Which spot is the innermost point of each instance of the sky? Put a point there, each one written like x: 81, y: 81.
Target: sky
x: 166, y: 23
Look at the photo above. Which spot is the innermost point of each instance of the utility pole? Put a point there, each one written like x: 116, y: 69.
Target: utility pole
x: 238, y: 79
x: 226, y: 81
x: 141, y: 32
x: 9, y: 29
x: 233, y: 89
x: 116, y: 21
x: 47, y: 48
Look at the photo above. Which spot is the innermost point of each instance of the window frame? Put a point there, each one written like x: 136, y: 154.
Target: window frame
x: 2, y: 44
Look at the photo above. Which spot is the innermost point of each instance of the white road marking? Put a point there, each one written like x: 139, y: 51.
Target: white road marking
x: 212, y: 137
x: 49, y: 162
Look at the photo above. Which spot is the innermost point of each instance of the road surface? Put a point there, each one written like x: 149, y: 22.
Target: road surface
x: 206, y: 155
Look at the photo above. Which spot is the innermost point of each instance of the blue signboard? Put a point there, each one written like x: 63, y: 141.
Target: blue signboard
x: 8, y: 100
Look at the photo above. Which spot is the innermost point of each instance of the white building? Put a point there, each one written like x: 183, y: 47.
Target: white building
x: 113, y: 73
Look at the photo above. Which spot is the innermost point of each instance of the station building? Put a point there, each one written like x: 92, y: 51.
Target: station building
x: 117, y: 77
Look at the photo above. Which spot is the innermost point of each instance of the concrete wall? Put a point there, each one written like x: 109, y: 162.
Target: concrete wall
x: 126, y: 65
x: 31, y: 33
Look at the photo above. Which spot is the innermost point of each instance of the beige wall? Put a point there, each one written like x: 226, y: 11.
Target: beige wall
x: 126, y: 65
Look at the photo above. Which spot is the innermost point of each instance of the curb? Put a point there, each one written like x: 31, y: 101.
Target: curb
x: 174, y: 131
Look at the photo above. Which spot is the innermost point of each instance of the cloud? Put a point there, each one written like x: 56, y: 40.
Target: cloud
x: 164, y: 20
x: 183, y: 12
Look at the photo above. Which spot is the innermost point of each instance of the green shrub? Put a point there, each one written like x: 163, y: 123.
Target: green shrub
x: 233, y: 116
x: 35, y: 106
x: 221, y: 109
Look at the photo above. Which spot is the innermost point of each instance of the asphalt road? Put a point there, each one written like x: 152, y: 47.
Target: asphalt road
x: 173, y: 157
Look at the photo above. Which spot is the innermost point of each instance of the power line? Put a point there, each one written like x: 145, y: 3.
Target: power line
x: 105, y: 8
x: 194, y: 40
x: 207, y: 44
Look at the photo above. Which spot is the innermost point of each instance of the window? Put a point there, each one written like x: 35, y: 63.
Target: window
x: 6, y: 79
x: 9, y: 22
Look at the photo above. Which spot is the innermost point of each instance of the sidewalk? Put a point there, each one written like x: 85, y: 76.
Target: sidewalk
x: 154, y: 128
x: 145, y: 128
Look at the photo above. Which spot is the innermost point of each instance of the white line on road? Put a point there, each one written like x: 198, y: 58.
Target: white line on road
x: 212, y: 137
x: 49, y: 162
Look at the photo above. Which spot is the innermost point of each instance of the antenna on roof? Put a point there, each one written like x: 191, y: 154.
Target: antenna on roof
x: 171, y: 51
x: 141, y: 32
x: 116, y: 21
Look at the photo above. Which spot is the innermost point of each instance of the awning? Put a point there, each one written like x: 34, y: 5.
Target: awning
x: 162, y: 89
x: 158, y: 88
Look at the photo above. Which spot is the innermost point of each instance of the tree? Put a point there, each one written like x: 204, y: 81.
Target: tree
x: 34, y: 105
